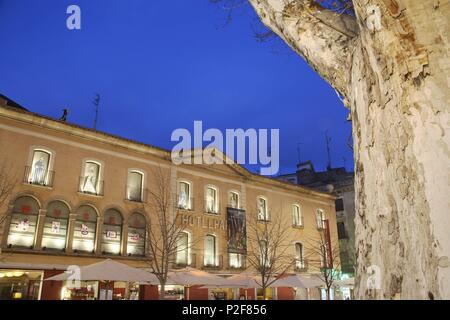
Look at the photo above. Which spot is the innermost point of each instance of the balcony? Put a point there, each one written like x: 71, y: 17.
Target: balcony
x: 90, y: 188
x: 184, y: 203
x: 321, y: 224
x: 136, y: 194
x: 301, y: 265
x: 237, y: 267
x: 183, y: 264
x: 211, y: 207
x: 38, y: 177
x: 216, y: 265
x: 298, y: 224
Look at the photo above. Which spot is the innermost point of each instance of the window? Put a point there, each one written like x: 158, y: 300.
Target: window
x: 182, y: 255
x: 236, y: 260
x: 136, y: 235
x: 210, y: 254
x: 90, y: 181
x: 39, y: 172
x: 320, y: 219
x: 297, y: 220
x: 233, y: 200
x: 24, y: 217
x: 211, y: 200
x: 112, y: 232
x: 135, y: 186
x: 265, y: 256
x: 341, y: 230
x: 85, y: 229
x: 339, y: 204
x: 299, y: 261
x: 184, y: 198
x: 55, y: 226
x: 262, y: 209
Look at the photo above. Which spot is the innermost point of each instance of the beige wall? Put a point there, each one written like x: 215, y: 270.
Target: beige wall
x: 20, y: 133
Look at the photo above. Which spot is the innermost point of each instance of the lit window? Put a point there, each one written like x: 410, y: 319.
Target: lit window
x: 211, y: 200
x: 112, y: 232
x: 90, y: 181
x: 210, y: 254
x: 85, y: 229
x: 296, y: 216
x: 24, y: 217
x: 55, y: 226
x: 299, y: 261
x: 39, y: 172
x: 320, y: 219
x: 262, y: 209
x: 236, y: 260
x: 136, y: 235
x: 265, y: 256
x: 135, y: 186
x: 184, y: 198
x: 234, y: 200
x: 182, y: 254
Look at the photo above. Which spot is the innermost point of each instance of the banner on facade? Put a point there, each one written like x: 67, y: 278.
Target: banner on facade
x: 237, y: 232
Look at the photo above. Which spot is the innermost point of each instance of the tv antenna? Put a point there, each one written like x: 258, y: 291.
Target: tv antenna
x: 96, y: 103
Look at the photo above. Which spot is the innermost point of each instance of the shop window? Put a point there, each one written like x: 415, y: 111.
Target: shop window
x: 296, y: 216
x: 24, y: 218
x: 90, y: 181
x: 56, y: 226
x: 184, y: 197
x: 85, y: 229
x: 233, y: 200
x: 135, y: 186
x: 262, y: 209
x: 136, y: 235
x: 112, y: 232
x: 182, y: 254
x: 210, y: 253
x: 211, y: 205
x: 39, y: 172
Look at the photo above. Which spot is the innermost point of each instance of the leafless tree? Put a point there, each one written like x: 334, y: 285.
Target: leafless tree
x: 323, y: 254
x: 8, y: 180
x: 268, y: 252
x: 163, y: 226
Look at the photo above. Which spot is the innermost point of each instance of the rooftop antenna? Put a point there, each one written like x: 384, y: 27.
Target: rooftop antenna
x: 327, y: 141
x: 96, y: 103
x: 298, y: 152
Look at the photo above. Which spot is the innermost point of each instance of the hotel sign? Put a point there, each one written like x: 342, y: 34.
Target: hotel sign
x: 205, y: 222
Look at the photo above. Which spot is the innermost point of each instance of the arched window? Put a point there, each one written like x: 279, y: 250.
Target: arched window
x: 136, y: 235
x: 262, y: 209
x: 211, y: 200
x: 182, y: 254
x: 297, y: 220
x: 210, y: 251
x: 320, y: 219
x: 85, y: 229
x: 38, y: 172
x: 90, y: 180
x: 55, y: 226
x: 234, y: 200
x: 24, y: 217
x: 299, y: 261
x: 135, y: 186
x: 112, y: 232
x: 184, y: 196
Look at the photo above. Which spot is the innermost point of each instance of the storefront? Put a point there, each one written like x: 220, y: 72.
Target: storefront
x: 20, y: 284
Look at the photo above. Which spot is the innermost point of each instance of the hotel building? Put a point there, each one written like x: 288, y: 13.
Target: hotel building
x: 81, y: 197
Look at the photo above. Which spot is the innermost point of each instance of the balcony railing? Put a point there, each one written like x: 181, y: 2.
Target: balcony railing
x: 211, y: 208
x: 321, y: 225
x: 301, y: 265
x: 91, y: 188
x: 234, y: 206
x: 184, y: 203
x: 299, y: 223
x: 183, y: 264
x: 216, y: 265
x: 136, y: 194
x: 242, y: 266
x: 38, y: 177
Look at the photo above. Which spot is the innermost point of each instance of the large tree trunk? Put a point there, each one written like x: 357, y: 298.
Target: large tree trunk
x: 392, y: 67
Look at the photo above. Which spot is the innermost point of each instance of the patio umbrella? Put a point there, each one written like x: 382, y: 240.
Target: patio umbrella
x: 297, y: 281
x: 108, y: 270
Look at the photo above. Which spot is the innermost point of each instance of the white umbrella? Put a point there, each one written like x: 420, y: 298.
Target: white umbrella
x: 191, y: 277
x: 297, y: 281
x: 107, y: 270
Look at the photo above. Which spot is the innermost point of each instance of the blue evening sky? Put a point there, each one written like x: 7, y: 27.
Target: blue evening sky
x: 159, y: 65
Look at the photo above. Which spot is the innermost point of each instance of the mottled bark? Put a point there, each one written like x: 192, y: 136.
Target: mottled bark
x: 393, y: 72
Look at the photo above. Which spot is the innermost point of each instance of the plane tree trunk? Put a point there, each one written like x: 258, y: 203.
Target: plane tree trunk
x: 391, y: 64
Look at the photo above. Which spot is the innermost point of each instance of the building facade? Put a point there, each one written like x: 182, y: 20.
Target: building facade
x: 81, y: 196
